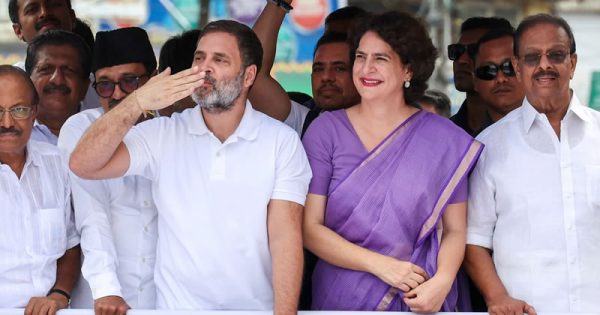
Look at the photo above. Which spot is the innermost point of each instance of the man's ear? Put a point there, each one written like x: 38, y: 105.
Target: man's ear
x: 250, y: 75
x: 573, y: 59
x: 17, y: 29
x: 517, y: 67
x: 85, y: 87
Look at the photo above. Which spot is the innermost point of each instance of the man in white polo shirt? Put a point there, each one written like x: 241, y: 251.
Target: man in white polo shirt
x: 229, y: 182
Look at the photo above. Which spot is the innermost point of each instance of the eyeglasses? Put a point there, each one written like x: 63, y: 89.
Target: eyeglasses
x: 554, y: 57
x: 19, y: 112
x: 127, y: 84
x: 490, y: 72
x: 457, y: 50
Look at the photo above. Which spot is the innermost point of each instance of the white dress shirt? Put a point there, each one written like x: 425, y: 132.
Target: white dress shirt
x: 117, y: 222
x: 212, y: 197
x: 40, y: 132
x: 36, y: 223
x: 534, y: 199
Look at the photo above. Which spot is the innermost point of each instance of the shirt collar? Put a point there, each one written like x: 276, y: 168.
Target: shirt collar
x: 529, y: 113
x: 248, y: 128
x: 578, y: 109
x: 31, y: 157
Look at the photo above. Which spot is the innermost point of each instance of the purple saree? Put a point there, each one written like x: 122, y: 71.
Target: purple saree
x: 392, y: 203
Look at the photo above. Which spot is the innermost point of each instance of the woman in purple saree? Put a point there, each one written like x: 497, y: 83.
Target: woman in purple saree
x: 386, y: 210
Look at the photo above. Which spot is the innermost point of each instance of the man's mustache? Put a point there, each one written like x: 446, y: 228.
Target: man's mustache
x: 329, y: 85
x: 50, y: 19
x: 208, y: 79
x: 549, y: 73
x: 10, y: 130
x: 51, y: 87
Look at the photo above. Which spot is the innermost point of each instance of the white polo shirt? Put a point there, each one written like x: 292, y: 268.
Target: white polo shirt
x: 36, y: 224
x: 535, y: 201
x: 212, y: 197
x: 117, y: 222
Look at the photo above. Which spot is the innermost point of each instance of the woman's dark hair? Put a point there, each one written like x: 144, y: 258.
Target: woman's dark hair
x: 409, y: 39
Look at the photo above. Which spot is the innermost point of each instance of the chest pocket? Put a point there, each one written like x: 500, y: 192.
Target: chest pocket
x: 51, y: 235
x: 592, y: 181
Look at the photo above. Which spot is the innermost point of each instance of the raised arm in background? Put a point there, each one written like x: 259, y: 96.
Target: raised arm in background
x: 267, y: 95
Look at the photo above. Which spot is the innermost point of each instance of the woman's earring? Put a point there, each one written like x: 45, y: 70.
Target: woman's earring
x: 406, y: 84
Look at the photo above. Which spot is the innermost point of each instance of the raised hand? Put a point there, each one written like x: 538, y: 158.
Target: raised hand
x: 165, y: 89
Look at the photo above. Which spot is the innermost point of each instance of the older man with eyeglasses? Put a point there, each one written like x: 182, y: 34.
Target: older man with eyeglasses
x: 39, y: 252
x: 534, y: 196
x: 116, y: 218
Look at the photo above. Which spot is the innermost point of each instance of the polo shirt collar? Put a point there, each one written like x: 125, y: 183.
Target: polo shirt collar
x: 194, y: 125
x: 248, y: 128
x: 529, y: 113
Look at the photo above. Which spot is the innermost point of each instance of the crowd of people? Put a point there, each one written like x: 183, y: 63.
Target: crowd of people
x: 198, y: 183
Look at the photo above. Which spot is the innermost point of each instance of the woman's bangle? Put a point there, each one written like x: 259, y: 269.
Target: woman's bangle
x: 283, y: 5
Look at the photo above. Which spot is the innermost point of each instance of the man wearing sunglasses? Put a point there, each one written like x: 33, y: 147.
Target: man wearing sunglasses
x: 39, y: 252
x: 494, y: 77
x: 534, y: 206
x: 119, y: 211
x: 472, y: 114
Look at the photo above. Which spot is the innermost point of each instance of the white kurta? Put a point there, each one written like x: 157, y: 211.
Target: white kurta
x: 117, y: 222
x: 534, y: 200
x: 36, y: 222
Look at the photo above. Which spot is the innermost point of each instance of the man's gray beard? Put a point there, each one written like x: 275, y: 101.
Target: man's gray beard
x: 222, y: 95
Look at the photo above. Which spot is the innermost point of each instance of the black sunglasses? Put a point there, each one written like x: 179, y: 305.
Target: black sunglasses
x: 127, y: 84
x: 457, y: 50
x: 490, y: 72
x: 554, y: 57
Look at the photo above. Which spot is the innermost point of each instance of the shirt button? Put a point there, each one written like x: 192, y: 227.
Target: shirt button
x: 141, y: 289
x: 146, y: 229
x: 146, y: 203
x: 143, y: 259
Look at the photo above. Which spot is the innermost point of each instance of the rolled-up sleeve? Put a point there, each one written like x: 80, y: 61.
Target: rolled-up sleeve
x: 481, y: 212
